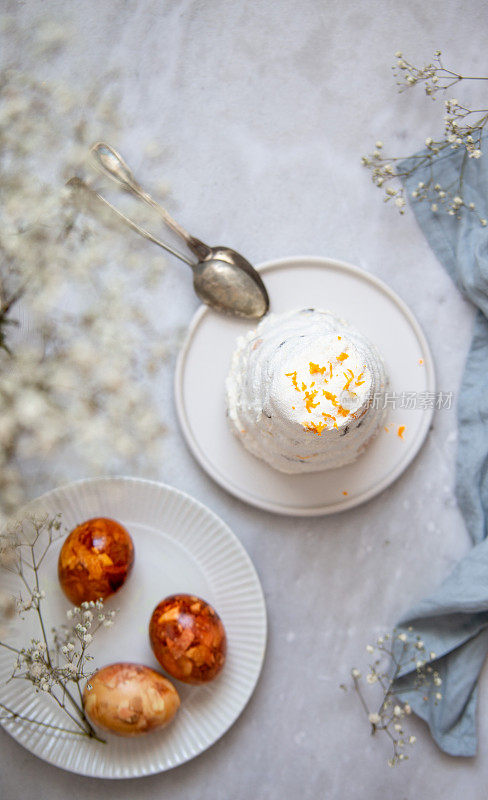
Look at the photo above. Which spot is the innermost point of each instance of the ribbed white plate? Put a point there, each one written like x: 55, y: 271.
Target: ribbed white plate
x: 368, y: 304
x: 181, y: 546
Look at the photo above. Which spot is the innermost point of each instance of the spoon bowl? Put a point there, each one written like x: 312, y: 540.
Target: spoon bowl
x: 229, y: 288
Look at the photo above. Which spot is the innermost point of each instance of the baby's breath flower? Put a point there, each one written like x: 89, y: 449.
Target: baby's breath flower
x: 463, y: 130
x: 392, y: 717
x: 57, y: 665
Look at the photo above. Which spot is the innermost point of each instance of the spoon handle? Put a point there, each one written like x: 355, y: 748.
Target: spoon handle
x: 112, y: 164
x: 77, y: 183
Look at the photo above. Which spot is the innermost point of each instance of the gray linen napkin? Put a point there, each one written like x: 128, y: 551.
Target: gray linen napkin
x: 453, y: 621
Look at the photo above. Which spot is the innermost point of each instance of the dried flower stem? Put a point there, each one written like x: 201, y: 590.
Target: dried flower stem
x: 400, y: 650
x: 463, y: 129
x: 59, y: 667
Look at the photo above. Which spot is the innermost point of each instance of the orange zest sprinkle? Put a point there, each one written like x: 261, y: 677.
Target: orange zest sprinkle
x: 339, y: 337
x: 315, y: 368
x: 330, y: 368
x: 421, y: 361
x: 309, y: 398
x: 342, y: 411
x: 358, y: 379
x: 315, y: 427
x: 401, y: 431
x: 349, y: 378
x: 330, y: 396
x: 304, y: 387
x: 293, y: 376
x: 342, y: 356
x: 328, y: 416
x: 386, y: 429
x: 344, y: 493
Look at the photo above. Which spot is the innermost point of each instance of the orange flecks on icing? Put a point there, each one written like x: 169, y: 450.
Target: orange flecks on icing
x: 293, y: 376
x: 401, y: 431
x: 349, y: 376
x: 293, y: 408
x: 339, y: 337
x: 358, y: 381
x: 309, y: 398
x: 330, y: 396
x: 316, y: 368
x: 344, y: 493
x: 330, y: 369
x: 387, y: 429
x: 342, y: 356
x: 328, y: 416
x: 315, y: 427
x: 304, y: 387
x: 421, y: 361
x: 342, y: 411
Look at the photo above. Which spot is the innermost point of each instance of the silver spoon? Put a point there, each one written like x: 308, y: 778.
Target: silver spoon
x: 222, y: 278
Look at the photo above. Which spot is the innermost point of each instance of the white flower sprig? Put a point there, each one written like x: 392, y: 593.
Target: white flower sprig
x: 58, y: 665
x: 76, y: 394
x: 392, y: 653
x: 463, y: 130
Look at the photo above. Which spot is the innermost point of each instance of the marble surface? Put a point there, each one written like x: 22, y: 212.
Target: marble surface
x: 263, y: 111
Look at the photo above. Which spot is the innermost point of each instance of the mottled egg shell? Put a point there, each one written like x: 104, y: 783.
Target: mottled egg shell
x: 95, y: 560
x: 188, y: 638
x: 130, y: 699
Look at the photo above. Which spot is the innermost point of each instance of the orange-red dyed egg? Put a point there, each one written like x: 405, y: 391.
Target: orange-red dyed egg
x: 188, y: 638
x: 95, y: 560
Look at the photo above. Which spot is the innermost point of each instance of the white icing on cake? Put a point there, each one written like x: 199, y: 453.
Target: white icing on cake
x: 305, y: 391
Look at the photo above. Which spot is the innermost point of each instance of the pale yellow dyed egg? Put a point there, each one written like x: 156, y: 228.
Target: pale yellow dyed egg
x: 130, y: 699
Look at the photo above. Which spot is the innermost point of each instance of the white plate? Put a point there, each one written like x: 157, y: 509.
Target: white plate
x: 376, y: 311
x: 181, y: 546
